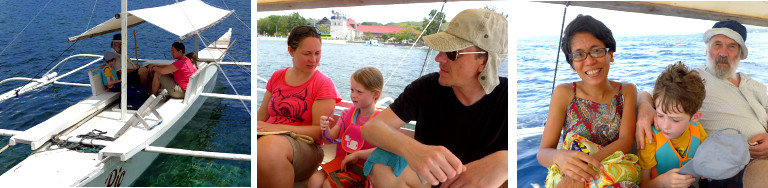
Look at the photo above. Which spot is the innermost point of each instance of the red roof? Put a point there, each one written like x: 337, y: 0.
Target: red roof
x: 378, y: 29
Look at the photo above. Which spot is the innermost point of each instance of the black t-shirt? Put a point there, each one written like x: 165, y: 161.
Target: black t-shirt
x: 469, y: 132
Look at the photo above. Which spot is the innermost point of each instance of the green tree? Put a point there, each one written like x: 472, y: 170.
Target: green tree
x: 406, y: 34
x: 267, y: 25
x: 494, y: 9
x: 370, y: 23
x: 324, y: 27
x: 385, y: 36
x: 433, y: 28
x: 368, y: 36
x: 280, y: 25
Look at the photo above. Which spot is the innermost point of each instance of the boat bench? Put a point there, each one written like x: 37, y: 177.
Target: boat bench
x: 41, y: 133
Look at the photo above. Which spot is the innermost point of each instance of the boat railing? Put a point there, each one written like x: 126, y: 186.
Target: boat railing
x: 48, y: 78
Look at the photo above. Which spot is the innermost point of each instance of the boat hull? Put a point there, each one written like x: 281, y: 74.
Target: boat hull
x: 64, y: 167
x: 118, y: 173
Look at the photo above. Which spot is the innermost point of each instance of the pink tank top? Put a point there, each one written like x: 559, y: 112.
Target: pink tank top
x: 351, y: 133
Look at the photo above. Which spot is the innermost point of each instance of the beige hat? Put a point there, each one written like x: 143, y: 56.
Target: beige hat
x: 482, y: 28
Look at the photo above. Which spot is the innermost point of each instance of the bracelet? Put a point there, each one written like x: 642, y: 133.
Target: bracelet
x: 332, y: 141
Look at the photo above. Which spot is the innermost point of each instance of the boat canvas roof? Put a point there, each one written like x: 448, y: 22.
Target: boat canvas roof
x: 746, y: 12
x: 183, y: 19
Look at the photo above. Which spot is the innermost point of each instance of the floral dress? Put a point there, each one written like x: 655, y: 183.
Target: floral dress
x: 597, y: 122
x: 589, y: 126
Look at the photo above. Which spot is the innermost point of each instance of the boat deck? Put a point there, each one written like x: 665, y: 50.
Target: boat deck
x: 109, y: 121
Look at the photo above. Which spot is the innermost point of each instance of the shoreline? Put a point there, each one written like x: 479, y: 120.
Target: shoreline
x: 339, y: 42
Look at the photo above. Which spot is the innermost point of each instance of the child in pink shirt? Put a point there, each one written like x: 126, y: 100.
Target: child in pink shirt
x: 366, y: 85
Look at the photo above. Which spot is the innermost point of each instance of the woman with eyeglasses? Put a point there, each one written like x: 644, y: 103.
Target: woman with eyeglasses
x: 596, y: 115
x: 295, y: 99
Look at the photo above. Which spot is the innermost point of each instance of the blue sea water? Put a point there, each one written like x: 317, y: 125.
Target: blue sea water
x: 219, y: 126
x: 637, y: 60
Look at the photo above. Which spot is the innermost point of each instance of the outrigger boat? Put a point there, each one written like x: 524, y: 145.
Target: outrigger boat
x: 97, y: 143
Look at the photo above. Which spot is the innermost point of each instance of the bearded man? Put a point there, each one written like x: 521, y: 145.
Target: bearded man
x: 733, y: 100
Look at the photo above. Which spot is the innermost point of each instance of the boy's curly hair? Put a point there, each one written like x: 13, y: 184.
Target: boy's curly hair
x: 679, y: 86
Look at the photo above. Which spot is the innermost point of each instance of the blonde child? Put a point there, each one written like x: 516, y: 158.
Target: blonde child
x: 366, y: 85
x: 677, y: 96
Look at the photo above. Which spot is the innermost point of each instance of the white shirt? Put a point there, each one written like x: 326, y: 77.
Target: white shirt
x: 728, y: 106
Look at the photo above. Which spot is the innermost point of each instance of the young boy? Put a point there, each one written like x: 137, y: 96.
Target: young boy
x: 108, y: 77
x: 677, y: 97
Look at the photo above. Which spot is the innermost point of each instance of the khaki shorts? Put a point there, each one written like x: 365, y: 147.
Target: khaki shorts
x: 167, y: 83
x: 306, y: 158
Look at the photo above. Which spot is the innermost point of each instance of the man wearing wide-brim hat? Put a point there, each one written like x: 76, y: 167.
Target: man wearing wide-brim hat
x: 733, y: 100
x: 461, y: 113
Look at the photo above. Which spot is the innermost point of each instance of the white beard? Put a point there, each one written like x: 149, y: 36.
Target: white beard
x: 722, y: 72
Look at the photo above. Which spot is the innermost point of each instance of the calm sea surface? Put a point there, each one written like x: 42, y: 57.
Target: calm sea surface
x: 638, y: 60
x: 339, y: 61
x: 219, y: 126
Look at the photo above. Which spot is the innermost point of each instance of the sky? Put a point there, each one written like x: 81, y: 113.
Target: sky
x: 527, y: 19
x: 392, y: 13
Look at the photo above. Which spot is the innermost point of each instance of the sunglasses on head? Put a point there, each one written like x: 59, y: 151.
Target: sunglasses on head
x: 454, y: 54
x: 306, y: 29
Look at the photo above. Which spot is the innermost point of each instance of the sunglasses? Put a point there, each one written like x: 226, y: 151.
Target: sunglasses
x: 454, y: 54
x: 306, y: 29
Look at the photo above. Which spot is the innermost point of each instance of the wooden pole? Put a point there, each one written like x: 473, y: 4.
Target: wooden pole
x: 136, y: 48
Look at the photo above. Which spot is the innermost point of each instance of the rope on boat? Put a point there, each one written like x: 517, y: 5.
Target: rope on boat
x: 25, y: 27
x: 557, y: 61
x: 88, y: 25
x: 203, y: 40
x: 409, y: 50
x: 4, y: 148
x: 95, y: 134
x: 300, y: 137
x: 238, y: 18
x: 16, y: 94
x: 440, y: 24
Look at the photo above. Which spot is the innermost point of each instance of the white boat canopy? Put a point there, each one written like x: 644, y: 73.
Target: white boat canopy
x: 746, y: 12
x: 183, y: 19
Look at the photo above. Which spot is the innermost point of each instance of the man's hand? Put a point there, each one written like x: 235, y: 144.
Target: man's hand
x: 759, y: 151
x: 434, y: 164
x: 645, y: 116
x: 490, y: 171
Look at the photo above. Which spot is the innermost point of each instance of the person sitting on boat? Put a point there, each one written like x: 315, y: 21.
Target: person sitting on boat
x: 677, y: 97
x: 136, y: 74
x: 733, y: 100
x: 173, y: 77
x: 192, y: 58
x: 366, y: 85
x: 108, y: 75
x: 461, y: 113
x: 590, y: 112
x: 295, y: 99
